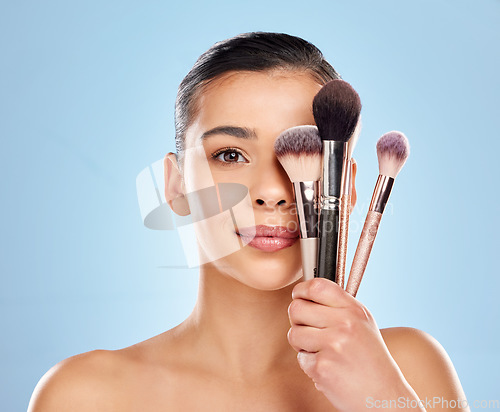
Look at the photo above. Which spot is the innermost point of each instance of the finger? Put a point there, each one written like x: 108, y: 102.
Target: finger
x: 305, y: 338
x: 307, y: 362
x: 305, y: 312
x: 322, y: 291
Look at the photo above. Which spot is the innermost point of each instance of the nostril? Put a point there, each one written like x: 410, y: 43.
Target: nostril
x: 261, y: 202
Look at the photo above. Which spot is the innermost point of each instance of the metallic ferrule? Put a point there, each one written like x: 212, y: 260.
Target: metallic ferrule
x: 381, y: 193
x: 307, y: 207
x: 334, y: 155
x: 329, y: 203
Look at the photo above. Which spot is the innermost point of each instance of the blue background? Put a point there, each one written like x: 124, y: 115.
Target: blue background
x: 87, y: 91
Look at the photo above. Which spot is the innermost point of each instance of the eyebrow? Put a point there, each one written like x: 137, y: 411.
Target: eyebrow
x: 241, y: 132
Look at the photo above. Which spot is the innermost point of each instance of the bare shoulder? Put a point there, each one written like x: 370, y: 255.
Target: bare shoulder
x: 424, y: 363
x: 80, y: 383
x: 403, y: 341
x: 110, y: 380
x: 410, y: 347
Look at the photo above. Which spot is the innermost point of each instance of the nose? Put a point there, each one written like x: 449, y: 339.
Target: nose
x: 272, y: 187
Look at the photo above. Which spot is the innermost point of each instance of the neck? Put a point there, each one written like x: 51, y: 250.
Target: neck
x: 240, y: 329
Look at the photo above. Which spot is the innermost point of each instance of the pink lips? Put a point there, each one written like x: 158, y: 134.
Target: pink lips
x: 268, y: 238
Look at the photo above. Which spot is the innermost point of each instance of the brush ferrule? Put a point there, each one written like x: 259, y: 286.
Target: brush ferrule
x: 329, y: 203
x: 334, y: 156
x: 381, y: 193
x: 306, y: 194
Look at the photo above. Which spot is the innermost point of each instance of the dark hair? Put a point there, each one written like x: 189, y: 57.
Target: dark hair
x: 256, y: 51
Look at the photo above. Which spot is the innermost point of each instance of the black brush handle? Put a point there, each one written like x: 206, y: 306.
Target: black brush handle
x: 328, y: 243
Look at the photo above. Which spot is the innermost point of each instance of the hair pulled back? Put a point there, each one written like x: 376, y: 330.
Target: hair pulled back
x: 257, y: 51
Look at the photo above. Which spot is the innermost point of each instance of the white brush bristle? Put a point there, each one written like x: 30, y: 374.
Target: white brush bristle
x: 299, y: 150
x: 393, y: 149
x: 303, y: 168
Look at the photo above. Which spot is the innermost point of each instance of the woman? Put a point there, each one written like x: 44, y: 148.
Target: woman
x: 259, y: 337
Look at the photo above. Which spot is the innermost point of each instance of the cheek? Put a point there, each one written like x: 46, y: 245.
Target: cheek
x: 200, y: 174
x: 216, y: 234
x: 216, y: 238
x: 197, y: 173
x: 217, y: 212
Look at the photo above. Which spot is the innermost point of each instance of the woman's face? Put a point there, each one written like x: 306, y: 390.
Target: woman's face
x: 231, y: 140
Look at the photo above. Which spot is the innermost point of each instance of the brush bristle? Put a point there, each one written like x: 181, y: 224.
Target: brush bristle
x: 299, y: 151
x: 336, y: 110
x: 393, y: 149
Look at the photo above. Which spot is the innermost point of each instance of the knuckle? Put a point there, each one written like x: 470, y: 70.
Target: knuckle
x: 317, y: 286
x: 346, y: 327
x: 337, y: 346
x: 367, y: 314
x: 359, y: 312
x: 322, y: 367
x: 338, y: 343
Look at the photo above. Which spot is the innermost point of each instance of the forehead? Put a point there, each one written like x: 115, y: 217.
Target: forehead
x: 267, y: 102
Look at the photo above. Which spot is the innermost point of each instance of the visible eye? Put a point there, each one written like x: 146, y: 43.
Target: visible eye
x: 229, y: 155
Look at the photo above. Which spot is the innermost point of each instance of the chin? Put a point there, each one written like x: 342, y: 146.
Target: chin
x: 263, y: 270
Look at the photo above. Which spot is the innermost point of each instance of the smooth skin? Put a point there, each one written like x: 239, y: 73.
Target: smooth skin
x: 259, y: 338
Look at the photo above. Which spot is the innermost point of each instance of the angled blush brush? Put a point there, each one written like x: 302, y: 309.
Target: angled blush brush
x: 298, y: 149
x: 336, y: 110
x: 393, y: 149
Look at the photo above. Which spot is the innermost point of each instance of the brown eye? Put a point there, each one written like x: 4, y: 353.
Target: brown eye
x: 230, y: 156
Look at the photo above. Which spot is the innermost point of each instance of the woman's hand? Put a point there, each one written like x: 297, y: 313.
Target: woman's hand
x: 341, y: 349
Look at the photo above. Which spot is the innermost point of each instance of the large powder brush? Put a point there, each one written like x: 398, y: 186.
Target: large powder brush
x: 393, y: 149
x: 298, y: 149
x: 336, y: 110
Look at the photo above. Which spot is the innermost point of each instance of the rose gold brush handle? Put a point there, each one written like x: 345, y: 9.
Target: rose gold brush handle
x: 363, y: 251
x: 345, y: 203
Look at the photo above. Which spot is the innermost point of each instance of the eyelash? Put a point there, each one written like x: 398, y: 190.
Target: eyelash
x: 216, y: 154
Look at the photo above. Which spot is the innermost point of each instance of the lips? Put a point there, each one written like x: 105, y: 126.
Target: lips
x: 268, y: 238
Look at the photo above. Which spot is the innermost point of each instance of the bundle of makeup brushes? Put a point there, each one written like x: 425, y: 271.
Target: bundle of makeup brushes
x: 318, y: 161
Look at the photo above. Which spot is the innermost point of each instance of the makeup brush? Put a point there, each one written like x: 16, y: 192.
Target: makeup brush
x: 298, y: 149
x: 336, y: 110
x: 393, y: 149
x: 345, y: 208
